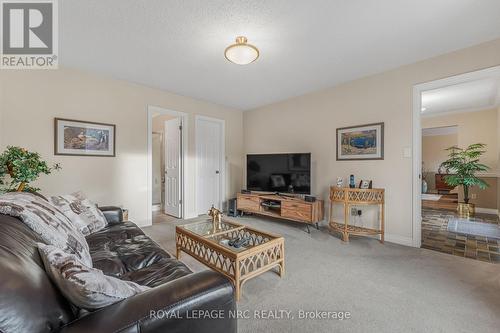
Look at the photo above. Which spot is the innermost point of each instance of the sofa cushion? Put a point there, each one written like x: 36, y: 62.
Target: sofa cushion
x: 162, y: 271
x: 85, y: 287
x: 47, y: 221
x: 81, y: 211
x: 112, y: 233
x: 122, y: 248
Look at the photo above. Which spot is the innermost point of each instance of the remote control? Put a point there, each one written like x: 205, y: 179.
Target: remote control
x: 233, y: 241
x: 240, y: 242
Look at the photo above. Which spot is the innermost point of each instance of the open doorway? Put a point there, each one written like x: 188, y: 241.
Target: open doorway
x: 456, y: 210
x: 166, y: 147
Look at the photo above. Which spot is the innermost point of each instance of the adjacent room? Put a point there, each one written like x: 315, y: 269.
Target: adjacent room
x: 460, y: 133
x: 249, y: 166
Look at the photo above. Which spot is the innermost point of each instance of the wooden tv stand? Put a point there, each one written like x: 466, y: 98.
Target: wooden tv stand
x: 283, y: 207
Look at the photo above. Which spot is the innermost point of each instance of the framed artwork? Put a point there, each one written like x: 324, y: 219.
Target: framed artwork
x: 340, y: 182
x: 363, y: 142
x: 365, y: 184
x: 83, y: 138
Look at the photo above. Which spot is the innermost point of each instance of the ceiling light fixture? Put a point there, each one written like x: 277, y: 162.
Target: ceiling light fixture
x: 241, y: 53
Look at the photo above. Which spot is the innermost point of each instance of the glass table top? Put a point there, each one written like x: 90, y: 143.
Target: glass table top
x: 207, y: 228
x: 224, y: 232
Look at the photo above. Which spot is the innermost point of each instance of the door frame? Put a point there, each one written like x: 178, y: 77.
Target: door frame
x: 151, y: 111
x: 162, y: 158
x: 222, y: 180
x: 167, y: 126
x: 417, y: 137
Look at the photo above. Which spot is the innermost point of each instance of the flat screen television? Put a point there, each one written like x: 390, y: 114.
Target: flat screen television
x: 283, y: 173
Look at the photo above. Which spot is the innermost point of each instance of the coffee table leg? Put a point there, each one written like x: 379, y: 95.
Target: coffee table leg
x: 237, y: 290
x: 178, y: 253
x: 282, y: 269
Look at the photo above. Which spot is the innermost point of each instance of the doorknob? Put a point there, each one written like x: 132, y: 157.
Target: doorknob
x: 217, y: 171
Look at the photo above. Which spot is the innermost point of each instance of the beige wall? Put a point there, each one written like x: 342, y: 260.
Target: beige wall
x: 434, y: 150
x: 473, y: 127
x: 33, y: 98
x: 434, y: 153
x: 486, y: 198
x: 308, y: 123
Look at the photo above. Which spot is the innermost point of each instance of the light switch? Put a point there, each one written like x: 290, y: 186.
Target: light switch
x: 407, y: 152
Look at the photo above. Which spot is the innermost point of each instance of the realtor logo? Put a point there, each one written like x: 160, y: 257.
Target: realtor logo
x: 29, y: 34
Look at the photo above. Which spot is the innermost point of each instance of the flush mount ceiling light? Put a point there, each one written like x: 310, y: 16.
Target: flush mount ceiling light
x: 241, y: 53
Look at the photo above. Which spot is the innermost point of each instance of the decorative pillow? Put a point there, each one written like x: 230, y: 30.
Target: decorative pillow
x: 81, y: 211
x: 47, y: 221
x: 85, y: 287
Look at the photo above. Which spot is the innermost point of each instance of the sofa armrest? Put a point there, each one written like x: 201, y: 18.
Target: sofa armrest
x: 172, y: 307
x: 113, y: 214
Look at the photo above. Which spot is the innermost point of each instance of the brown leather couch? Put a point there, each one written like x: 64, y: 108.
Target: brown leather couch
x: 179, y: 301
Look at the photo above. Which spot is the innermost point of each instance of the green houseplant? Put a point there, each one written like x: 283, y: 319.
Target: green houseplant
x: 463, y: 164
x: 19, y: 167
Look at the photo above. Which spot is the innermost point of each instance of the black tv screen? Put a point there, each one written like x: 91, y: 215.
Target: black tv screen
x: 283, y: 173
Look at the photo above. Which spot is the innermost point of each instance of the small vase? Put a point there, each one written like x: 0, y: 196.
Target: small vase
x: 425, y: 186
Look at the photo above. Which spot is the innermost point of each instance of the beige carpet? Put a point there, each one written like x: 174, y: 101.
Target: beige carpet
x: 386, y: 288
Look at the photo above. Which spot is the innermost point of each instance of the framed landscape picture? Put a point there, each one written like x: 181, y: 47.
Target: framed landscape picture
x: 363, y: 142
x: 83, y: 138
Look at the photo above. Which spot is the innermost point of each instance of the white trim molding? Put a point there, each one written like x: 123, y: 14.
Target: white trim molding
x: 397, y: 239
x: 446, y: 113
x: 491, y: 211
x: 436, y: 131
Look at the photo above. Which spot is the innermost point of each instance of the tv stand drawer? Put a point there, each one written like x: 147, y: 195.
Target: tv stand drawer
x: 296, y: 210
x: 248, y: 202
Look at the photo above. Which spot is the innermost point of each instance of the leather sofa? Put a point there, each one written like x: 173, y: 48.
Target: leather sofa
x: 179, y: 301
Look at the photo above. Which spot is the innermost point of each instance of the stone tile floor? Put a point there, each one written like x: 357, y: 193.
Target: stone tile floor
x: 435, y: 236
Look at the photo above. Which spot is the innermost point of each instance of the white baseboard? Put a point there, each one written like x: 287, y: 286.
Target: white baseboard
x: 156, y: 208
x: 190, y: 215
x: 487, y: 211
x: 401, y: 240
x: 144, y: 223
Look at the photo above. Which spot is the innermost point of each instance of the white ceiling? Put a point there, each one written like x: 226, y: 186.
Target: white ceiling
x: 468, y: 96
x: 178, y: 45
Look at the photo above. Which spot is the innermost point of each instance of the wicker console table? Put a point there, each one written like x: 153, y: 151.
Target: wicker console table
x: 353, y: 197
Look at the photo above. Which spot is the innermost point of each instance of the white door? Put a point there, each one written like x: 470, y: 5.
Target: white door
x: 210, y: 163
x: 173, y: 167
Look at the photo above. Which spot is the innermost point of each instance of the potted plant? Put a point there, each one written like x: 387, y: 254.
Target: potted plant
x: 464, y: 166
x: 19, y: 167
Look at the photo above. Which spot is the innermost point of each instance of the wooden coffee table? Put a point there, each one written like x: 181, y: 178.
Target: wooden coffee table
x: 207, y: 243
